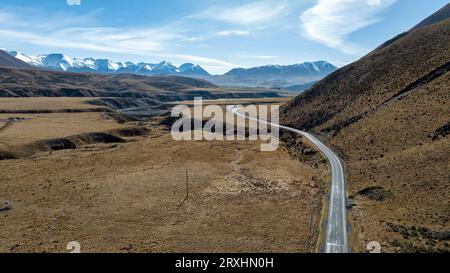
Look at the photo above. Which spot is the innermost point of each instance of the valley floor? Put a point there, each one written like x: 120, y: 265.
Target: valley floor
x: 127, y: 197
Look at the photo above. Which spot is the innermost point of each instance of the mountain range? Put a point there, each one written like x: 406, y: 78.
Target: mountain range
x: 276, y: 75
x: 272, y: 76
x: 62, y: 62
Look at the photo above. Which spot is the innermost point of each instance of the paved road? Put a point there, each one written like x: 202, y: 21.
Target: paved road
x: 336, y: 233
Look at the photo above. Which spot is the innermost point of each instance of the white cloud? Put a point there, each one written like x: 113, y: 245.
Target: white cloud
x: 252, y: 56
x: 139, y: 40
x: 111, y: 40
x: 330, y: 22
x: 144, y: 41
x: 203, y: 60
x: 35, y: 19
x: 233, y: 33
x: 253, y: 13
x: 114, y: 42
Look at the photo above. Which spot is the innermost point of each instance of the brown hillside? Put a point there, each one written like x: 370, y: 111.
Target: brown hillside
x: 388, y: 115
x: 26, y: 83
x: 43, y: 83
x: 438, y: 16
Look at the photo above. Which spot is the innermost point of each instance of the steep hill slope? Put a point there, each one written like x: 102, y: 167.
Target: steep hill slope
x: 388, y: 114
x: 438, y: 16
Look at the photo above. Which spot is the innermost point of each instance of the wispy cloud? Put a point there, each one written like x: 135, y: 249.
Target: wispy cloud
x: 7, y: 18
x: 128, y: 40
x: 112, y: 40
x: 330, y: 22
x: 203, y: 60
x: 143, y: 41
x: 36, y: 19
x: 233, y: 33
x: 253, y: 13
x: 260, y: 57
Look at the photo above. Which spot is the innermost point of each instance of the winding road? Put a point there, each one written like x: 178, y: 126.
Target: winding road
x: 336, y: 229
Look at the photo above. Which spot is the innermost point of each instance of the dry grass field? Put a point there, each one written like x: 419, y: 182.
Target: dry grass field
x: 127, y: 196
x: 44, y: 103
x: 36, y: 127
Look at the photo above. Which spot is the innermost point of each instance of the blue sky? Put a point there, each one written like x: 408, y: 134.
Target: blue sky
x: 217, y: 34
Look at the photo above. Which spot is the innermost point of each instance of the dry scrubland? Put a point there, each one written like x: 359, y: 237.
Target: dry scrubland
x: 400, y: 181
x: 125, y: 196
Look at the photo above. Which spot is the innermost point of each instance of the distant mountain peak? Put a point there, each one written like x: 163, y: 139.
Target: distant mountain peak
x: 275, y: 76
x: 34, y: 61
x: 190, y: 68
x: 7, y: 60
x: 320, y: 66
x: 57, y: 61
x: 62, y: 62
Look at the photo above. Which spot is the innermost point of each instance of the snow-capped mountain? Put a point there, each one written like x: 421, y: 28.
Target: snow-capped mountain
x: 61, y: 62
x: 315, y: 68
x: 262, y: 76
x: 58, y: 62
x: 190, y: 68
x: 35, y: 61
x: 276, y: 75
x: 7, y: 60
